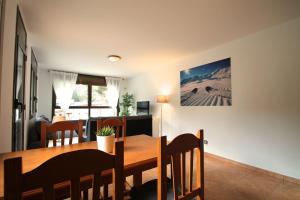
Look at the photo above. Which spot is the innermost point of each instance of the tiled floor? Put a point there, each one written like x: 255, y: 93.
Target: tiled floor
x: 229, y: 181
x: 224, y: 180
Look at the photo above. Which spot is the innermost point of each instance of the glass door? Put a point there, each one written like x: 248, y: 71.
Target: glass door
x: 19, y: 106
x: 19, y: 86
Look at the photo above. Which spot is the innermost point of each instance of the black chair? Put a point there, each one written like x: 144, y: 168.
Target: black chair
x: 34, y: 131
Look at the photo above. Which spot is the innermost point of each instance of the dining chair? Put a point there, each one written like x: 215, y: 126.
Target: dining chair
x: 63, y: 127
x: 117, y: 124
x: 176, y: 153
x: 67, y: 167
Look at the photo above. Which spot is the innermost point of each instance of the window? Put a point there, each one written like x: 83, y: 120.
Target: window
x: 33, y: 86
x: 80, y: 95
x: 89, y: 99
x: 98, y: 96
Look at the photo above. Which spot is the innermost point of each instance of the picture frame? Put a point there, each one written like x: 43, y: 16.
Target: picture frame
x: 207, y: 85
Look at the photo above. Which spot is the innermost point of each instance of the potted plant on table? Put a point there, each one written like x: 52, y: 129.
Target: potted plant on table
x: 106, y: 138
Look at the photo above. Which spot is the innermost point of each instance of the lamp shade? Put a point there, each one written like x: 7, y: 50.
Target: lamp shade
x: 162, y: 99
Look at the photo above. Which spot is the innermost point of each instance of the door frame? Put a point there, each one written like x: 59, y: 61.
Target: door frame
x: 13, y: 146
x: 2, y: 11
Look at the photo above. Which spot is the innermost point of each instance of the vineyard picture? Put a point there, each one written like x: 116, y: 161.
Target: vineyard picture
x: 207, y: 85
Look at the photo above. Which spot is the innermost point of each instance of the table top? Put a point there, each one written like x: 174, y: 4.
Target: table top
x: 138, y: 150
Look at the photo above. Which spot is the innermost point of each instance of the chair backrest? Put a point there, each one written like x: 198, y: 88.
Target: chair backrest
x: 117, y: 124
x: 62, y: 127
x: 65, y: 167
x: 175, y: 153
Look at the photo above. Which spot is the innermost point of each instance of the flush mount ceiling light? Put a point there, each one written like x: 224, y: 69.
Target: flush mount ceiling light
x: 114, y: 58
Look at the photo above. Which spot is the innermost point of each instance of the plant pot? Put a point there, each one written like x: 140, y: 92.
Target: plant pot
x: 106, y: 143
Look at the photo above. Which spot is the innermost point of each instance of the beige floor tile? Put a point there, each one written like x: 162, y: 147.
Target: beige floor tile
x: 229, y: 181
x: 286, y: 191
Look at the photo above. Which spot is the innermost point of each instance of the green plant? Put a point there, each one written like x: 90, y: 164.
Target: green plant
x: 105, y: 131
x: 127, y: 102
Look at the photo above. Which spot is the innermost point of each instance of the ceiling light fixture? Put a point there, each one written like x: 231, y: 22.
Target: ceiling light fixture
x: 114, y: 58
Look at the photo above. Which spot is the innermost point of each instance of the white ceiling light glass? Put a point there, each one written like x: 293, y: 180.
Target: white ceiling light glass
x: 114, y: 58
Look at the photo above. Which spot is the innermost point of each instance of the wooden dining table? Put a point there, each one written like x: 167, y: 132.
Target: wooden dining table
x: 140, y: 154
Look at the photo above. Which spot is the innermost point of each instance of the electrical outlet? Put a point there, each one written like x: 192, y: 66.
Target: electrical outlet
x: 205, y: 142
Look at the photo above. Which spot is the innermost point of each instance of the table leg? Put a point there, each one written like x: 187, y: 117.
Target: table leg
x: 137, y: 179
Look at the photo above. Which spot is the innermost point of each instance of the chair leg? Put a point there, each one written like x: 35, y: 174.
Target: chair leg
x: 105, y: 191
x: 137, y: 179
x: 85, y: 194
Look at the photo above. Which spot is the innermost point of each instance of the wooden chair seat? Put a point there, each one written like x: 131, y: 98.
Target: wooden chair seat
x: 62, y: 190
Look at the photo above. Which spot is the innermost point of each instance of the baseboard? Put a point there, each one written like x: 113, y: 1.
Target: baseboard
x: 284, y: 178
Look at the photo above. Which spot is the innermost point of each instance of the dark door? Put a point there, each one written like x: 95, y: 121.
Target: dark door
x: 19, y: 86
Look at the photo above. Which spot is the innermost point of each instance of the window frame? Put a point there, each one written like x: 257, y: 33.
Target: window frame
x: 85, y: 80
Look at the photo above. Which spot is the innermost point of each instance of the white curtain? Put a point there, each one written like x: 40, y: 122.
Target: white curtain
x: 113, y: 92
x: 64, y: 84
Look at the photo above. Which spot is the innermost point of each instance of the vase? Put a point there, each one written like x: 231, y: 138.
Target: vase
x: 106, y: 143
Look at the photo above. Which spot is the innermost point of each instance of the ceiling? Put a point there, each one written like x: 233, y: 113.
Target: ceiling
x: 78, y: 35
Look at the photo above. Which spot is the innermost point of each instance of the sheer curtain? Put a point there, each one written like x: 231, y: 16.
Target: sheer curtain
x: 64, y: 84
x: 113, y: 92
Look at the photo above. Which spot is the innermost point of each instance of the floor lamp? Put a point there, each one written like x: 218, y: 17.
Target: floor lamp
x: 162, y: 99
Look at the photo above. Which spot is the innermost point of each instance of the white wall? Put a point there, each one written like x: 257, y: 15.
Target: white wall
x: 7, y: 75
x: 44, y: 92
x: 262, y: 128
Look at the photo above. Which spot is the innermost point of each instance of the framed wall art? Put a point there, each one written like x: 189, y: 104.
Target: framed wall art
x: 207, y: 85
